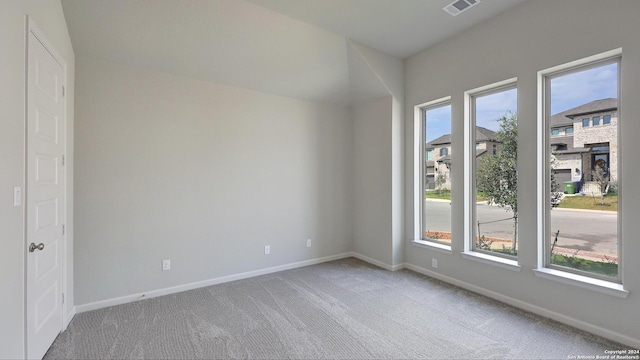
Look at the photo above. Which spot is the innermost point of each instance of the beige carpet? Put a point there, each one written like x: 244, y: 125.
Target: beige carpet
x: 345, y: 309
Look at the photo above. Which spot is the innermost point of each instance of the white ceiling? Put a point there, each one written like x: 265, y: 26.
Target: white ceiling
x: 398, y: 27
x: 293, y: 48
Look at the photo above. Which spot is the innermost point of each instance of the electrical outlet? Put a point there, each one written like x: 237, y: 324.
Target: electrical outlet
x: 267, y: 249
x: 308, y: 242
x: 434, y: 263
x: 166, y: 265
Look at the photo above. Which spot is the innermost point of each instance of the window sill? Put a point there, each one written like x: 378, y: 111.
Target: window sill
x: 433, y: 246
x: 585, y: 282
x: 492, y: 260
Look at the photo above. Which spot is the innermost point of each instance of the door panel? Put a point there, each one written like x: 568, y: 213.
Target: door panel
x: 45, y: 197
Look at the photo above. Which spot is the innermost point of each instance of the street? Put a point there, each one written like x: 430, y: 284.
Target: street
x: 586, y: 231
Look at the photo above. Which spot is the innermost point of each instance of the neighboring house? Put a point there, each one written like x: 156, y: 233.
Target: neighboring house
x: 584, y: 137
x: 438, y: 155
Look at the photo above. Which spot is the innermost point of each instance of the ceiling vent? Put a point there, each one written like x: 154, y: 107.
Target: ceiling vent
x: 460, y: 6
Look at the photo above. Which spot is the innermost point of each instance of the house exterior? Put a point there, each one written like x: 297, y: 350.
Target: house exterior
x: 438, y: 156
x: 584, y: 137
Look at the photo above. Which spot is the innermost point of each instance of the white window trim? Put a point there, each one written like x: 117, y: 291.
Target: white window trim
x: 585, y: 282
x: 543, y: 189
x: 498, y: 261
x: 470, y: 171
x: 419, y: 170
x: 432, y: 245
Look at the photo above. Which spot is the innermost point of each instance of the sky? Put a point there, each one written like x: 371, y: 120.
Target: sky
x: 567, y: 91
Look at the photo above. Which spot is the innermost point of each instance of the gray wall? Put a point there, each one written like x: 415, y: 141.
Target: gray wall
x: 518, y: 43
x: 203, y: 174
x: 49, y: 17
x: 372, y: 218
x: 378, y: 163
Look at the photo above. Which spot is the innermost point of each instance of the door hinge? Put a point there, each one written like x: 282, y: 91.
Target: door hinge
x: 62, y: 229
x: 63, y: 90
x: 63, y: 160
x: 63, y: 298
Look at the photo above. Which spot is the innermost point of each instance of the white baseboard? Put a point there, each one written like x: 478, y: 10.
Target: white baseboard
x: 68, y: 317
x: 594, y: 329
x: 377, y: 263
x: 199, y: 284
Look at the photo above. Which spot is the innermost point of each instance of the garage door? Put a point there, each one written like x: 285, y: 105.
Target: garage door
x: 562, y: 175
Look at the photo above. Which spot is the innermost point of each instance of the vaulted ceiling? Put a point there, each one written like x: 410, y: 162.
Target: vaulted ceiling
x: 293, y: 48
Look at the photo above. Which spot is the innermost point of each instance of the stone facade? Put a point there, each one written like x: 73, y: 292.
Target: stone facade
x: 579, y: 137
x: 595, y: 135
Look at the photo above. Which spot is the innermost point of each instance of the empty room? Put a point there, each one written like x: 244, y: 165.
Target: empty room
x: 319, y: 179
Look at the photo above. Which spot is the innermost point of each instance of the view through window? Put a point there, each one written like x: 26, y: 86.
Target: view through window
x: 584, y: 170
x: 496, y: 179
x: 436, y: 211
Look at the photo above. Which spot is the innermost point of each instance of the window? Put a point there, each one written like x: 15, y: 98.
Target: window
x: 432, y: 205
x: 555, y: 132
x: 569, y: 130
x: 477, y: 145
x: 493, y: 178
x: 606, y: 120
x: 574, y: 241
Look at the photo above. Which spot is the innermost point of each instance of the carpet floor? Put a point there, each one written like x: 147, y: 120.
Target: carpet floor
x: 344, y: 309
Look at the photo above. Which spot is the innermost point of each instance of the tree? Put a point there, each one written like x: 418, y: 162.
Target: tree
x: 600, y: 176
x: 441, y: 179
x: 497, y: 175
x: 557, y: 192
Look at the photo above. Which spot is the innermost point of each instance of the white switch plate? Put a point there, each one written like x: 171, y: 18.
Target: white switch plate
x: 166, y: 265
x: 434, y: 263
x: 308, y: 242
x: 17, y: 196
x: 267, y: 249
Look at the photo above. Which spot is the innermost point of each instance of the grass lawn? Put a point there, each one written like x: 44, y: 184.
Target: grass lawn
x: 435, y: 194
x: 446, y: 195
x: 590, y: 202
x: 575, y: 262
x: 606, y: 268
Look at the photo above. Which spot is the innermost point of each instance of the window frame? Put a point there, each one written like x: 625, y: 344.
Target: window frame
x: 604, y: 121
x: 419, y: 166
x: 544, y: 267
x: 595, y: 120
x: 470, y: 251
x: 588, y: 122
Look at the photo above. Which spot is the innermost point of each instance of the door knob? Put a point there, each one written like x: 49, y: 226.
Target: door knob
x: 33, y: 247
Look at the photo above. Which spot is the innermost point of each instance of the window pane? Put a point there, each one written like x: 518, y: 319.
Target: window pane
x: 569, y: 130
x: 496, y: 202
x: 436, y: 212
x: 585, y: 242
x: 555, y: 132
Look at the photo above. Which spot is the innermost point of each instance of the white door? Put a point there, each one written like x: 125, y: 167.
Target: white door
x: 45, y: 202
